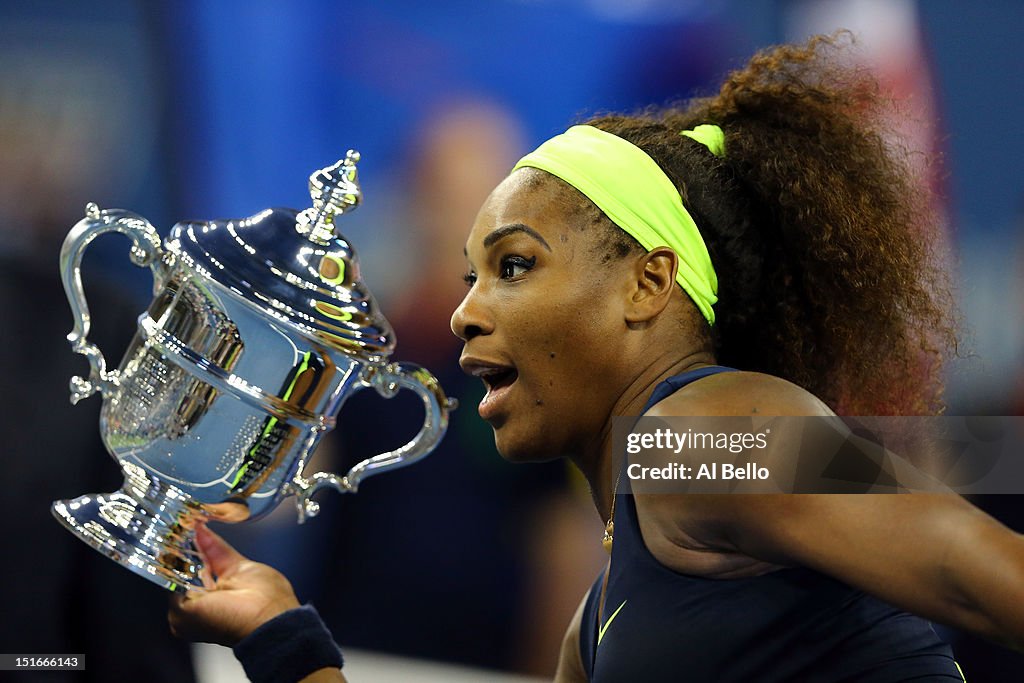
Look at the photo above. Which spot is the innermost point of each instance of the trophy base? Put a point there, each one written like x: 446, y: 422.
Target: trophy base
x: 147, y: 527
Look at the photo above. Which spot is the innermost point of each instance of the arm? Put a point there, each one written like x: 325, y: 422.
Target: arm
x: 570, y: 663
x: 932, y: 554
x: 245, y: 597
x: 325, y: 676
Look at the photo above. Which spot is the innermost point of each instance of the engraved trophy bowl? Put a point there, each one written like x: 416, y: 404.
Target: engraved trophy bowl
x: 259, y: 330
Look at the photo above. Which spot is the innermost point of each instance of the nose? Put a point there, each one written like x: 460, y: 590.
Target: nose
x: 471, y: 318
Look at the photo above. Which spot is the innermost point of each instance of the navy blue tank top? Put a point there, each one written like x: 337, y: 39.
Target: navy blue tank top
x: 786, y: 625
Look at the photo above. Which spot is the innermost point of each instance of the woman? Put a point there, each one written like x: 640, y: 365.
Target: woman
x: 794, y: 278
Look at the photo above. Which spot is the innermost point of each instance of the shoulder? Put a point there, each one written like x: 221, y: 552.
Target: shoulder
x: 740, y: 393
x: 693, y: 534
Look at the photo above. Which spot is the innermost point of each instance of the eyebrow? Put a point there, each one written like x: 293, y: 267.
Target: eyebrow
x: 510, y: 229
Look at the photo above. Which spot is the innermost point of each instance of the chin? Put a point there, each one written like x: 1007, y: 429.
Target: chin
x: 521, y: 450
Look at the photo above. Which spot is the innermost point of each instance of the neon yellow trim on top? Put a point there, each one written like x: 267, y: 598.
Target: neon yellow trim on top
x: 601, y: 631
x: 632, y: 190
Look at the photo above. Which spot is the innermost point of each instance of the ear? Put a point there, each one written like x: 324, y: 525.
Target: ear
x: 654, y: 281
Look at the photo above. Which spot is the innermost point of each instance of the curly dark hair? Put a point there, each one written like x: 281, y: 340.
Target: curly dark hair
x: 818, y: 226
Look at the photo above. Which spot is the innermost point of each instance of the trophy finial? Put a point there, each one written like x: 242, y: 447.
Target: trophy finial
x: 334, y: 191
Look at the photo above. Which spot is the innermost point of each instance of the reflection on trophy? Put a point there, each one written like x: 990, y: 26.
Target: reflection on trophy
x: 259, y: 330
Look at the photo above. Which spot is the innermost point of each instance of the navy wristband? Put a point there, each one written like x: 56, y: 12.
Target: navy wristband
x: 288, y: 648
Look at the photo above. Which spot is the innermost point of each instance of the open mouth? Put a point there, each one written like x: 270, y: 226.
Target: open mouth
x: 499, y: 378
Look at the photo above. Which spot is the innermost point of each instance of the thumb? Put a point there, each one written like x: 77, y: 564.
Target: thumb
x: 218, y: 555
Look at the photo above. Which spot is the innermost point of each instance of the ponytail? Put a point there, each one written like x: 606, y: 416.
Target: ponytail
x: 818, y: 227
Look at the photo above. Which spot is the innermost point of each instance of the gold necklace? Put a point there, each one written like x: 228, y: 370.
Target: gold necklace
x: 609, y: 528
x: 609, y: 534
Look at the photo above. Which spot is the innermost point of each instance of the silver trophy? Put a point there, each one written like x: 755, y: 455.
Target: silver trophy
x: 259, y: 330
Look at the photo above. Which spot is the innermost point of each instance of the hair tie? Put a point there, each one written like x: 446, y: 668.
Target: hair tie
x: 709, y: 135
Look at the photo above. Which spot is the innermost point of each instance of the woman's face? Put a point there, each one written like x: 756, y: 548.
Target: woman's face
x: 543, y: 320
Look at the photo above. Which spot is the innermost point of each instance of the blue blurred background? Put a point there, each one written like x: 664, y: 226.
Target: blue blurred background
x: 216, y: 109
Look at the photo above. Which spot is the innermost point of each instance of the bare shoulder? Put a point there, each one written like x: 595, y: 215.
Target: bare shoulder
x: 740, y: 393
x: 692, y: 533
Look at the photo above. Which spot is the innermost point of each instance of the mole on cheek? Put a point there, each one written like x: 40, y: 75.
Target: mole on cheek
x: 552, y: 354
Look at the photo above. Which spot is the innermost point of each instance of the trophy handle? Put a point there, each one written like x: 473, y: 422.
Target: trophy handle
x: 387, y: 380
x: 145, y: 251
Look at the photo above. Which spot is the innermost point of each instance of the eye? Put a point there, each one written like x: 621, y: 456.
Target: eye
x: 469, y: 278
x: 515, y: 266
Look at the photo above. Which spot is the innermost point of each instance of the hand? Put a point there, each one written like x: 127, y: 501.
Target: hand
x: 244, y: 596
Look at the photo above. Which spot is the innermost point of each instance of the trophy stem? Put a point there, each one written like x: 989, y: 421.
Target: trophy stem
x: 148, y: 526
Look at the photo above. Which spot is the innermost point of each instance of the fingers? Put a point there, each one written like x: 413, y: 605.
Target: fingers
x: 192, y: 618
x: 218, y: 555
x: 253, y: 595
x: 177, y: 618
x: 245, y: 595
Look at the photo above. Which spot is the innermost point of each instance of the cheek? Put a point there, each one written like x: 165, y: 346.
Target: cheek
x: 563, y: 327
x: 568, y: 350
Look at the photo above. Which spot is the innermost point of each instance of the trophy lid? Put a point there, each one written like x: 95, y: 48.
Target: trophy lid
x: 293, y: 266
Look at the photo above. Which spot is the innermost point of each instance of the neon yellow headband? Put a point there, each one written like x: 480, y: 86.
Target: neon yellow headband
x: 632, y: 190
